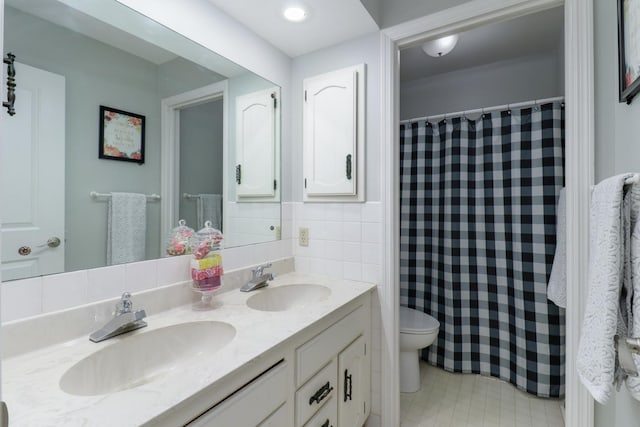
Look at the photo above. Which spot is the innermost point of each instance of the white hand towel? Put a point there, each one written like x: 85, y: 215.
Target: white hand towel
x: 596, y: 358
x: 557, y: 288
x: 209, y: 208
x: 126, y: 228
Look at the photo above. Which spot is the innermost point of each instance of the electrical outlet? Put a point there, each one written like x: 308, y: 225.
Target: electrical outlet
x: 303, y: 236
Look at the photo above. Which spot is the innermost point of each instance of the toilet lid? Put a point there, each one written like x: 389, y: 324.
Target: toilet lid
x: 414, y: 321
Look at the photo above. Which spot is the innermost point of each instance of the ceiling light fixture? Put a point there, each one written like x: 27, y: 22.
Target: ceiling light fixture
x: 295, y: 14
x: 440, y: 47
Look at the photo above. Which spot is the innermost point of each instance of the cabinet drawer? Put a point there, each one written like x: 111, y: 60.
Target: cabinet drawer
x: 277, y: 419
x: 316, y: 392
x: 250, y: 405
x: 326, y: 416
x: 318, y: 351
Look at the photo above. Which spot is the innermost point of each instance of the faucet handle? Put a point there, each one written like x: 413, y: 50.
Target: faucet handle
x: 259, y: 270
x: 125, y: 305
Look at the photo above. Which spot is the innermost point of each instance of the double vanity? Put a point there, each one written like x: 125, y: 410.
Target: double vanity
x: 294, y: 353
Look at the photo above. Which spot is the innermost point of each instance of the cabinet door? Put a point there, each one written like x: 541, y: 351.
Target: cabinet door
x: 333, y: 120
x: 354, y: 384
x: 256, y: 145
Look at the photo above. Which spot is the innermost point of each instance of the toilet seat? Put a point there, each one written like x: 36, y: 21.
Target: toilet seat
x: 416, y: 322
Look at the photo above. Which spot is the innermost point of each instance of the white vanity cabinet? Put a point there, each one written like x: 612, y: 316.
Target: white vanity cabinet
x: 333, y: 374
x: 262, y: 402
x: 333, y: 135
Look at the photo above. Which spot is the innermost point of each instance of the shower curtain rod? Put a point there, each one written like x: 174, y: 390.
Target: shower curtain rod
x: 438, y: 117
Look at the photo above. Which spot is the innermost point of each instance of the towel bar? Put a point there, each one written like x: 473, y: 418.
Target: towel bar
x: 96, y: 195
x: 625, y: 346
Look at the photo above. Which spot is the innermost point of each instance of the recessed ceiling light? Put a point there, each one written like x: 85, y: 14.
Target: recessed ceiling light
x: 295, y: 14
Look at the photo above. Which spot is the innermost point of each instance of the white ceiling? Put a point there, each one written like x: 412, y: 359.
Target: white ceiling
x: 528, y: 35
x: 335, y: 21
x: 77, y: 21
x: 330, y: 22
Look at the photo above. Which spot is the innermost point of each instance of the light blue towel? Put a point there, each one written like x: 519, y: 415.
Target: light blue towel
x: 126, y: 228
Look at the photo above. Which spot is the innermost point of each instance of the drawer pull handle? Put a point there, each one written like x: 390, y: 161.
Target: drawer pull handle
x: 321, y: 393
x: 326, y: 424
x: 347, y: 379
x: 348, y: 172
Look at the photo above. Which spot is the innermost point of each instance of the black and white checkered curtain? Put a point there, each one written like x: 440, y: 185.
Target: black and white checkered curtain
x: 477, y: 240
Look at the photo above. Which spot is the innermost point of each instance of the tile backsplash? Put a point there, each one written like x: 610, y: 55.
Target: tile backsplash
x: 38, y: 295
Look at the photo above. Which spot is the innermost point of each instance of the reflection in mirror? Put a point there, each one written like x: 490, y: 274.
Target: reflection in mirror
x: 205, y: 118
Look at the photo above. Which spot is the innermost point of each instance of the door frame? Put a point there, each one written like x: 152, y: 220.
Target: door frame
x: 579, y: 174
x: 170, y: 150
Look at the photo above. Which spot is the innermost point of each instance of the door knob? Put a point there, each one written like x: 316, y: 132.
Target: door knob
x: 53, y: 242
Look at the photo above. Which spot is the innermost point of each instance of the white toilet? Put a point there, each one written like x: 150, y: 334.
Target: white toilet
x: 417, y: 331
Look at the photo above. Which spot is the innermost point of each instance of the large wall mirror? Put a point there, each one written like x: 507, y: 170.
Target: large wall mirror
x: 210, y: 135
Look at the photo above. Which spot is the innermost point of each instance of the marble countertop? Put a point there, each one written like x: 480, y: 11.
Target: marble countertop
x: 30, y: 381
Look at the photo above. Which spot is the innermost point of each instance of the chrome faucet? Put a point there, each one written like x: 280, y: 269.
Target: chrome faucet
x: 259, y: 279
x: 124, y: 320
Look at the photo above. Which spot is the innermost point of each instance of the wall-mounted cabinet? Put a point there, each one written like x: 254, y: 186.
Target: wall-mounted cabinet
x: 257, y: 153
x: 333, y: 135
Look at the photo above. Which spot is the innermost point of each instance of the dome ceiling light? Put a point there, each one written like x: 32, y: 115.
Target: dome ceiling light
x: 440, y: 47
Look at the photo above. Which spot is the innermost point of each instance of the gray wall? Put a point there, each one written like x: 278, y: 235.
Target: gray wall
x: 200, y: 154
x: 362, y: 50
x: 97, y: 74
x: 517, y: 80
x: 617, y: 150
x: 393, y: 12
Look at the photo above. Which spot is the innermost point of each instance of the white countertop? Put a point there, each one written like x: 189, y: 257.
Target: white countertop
x: 30, y: 381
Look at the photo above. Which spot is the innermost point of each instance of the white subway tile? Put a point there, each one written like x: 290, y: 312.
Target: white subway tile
x: 60, y: 291
x: 371, y: 232
x: 352, y: 271
x: 372, y: 253
x: 372, y: 212
x: 287, y: 211
x: 333, y: 269
x: 333, y: 250
x: 333, y: 230
x: 173, y: 269
x: 333, y: 212
x: 21, y: 298
x: 351, y: 232
x: 352, y: 252
x: 352, y: 212
x: 140, y: 276
x: 105, y: 282
x: 372, y: 273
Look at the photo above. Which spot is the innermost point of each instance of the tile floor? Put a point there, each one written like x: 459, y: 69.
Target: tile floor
x: 467, y: 400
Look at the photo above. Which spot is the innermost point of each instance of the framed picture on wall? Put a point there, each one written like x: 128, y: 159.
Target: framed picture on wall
x: 629, y: 48
x: 121, y: 135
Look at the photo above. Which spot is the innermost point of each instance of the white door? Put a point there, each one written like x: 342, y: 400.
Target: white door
x: 331, y: 131
x: 32, y: 161
x: 256, y: 145
x: 354, y: 384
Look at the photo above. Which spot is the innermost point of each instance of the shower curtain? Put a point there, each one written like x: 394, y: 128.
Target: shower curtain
x: 477, y: 240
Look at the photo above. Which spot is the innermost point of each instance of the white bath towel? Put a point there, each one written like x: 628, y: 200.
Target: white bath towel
x: 596, y: 360
x: 126, y: 228
x: 633, y: 383
x: 209, y: 208
x: 557, y: 288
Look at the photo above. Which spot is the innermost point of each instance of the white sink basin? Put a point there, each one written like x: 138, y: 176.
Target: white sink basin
x: 141, y: 358
x: 287, y: 297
